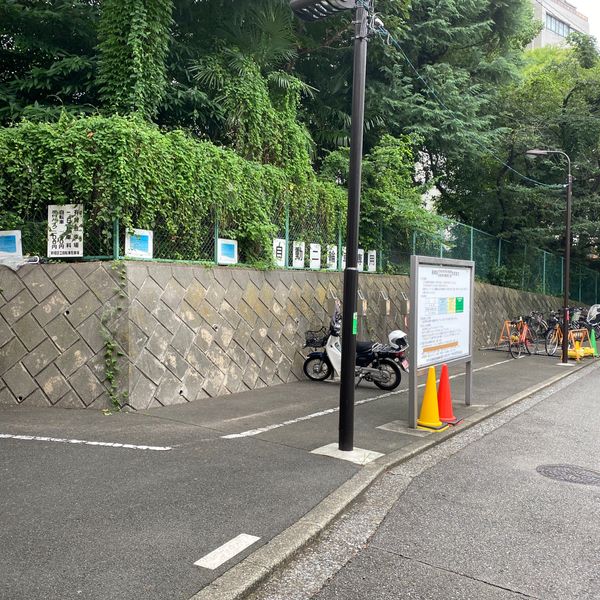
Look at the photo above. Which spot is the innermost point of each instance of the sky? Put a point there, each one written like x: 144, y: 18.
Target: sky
x: 590, y: 8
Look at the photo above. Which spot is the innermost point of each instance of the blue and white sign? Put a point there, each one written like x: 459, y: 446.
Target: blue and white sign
x: 10, y: 244
x: 332, y: 257
x: 227, y: 252
x: 139, y: 243
x: 298, y: 255
x: 315, y: 256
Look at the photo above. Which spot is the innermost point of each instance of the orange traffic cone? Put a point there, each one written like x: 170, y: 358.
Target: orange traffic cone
x: 429, y: 417
x: 445, y: 399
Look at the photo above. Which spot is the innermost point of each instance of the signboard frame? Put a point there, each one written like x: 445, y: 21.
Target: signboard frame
x: 415, y: 263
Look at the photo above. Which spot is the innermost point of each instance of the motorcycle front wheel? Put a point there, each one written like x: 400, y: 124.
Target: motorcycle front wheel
x: 390, y: 375
x: 317, y: 369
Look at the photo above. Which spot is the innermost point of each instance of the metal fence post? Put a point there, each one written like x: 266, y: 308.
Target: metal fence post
x: 471, y: 242
x: 544, y: 274
x: 523, y: 269
x: 287, y: 233
x: 562, y: 275
x: 115, y: 238
x: 339, y: 254
x: 380, y: 269
x: 414, y: 242
x: 499, y: 252
x: 216, y: 230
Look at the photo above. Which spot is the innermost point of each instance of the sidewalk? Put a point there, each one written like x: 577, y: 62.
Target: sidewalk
x: 90, y: 518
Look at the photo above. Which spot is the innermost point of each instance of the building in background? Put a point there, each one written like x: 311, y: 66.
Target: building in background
x: 559, y: 19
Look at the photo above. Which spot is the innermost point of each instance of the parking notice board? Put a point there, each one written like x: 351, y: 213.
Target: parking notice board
x: 443, y: 298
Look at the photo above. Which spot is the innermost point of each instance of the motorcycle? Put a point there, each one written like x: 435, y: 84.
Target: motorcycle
x: 377, y: 363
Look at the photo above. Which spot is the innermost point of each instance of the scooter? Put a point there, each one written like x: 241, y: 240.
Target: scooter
x: 375, y: 362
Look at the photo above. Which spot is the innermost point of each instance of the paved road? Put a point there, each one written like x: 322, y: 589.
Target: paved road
x: 475, y: 519
x: 83, y: 520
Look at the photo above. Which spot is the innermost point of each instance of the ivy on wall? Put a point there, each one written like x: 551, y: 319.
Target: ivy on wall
x: 126, y: 168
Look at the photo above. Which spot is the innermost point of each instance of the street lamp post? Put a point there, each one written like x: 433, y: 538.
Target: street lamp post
x: 313, y: 10
x: 567, y: 269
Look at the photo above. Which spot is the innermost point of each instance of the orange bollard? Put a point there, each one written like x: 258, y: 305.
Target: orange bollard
x: 445, y: 399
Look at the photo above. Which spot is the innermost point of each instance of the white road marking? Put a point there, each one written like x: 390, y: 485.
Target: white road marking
x: 37, y: 438
x: 222, y: 554
x: 359, y: 456
x: 322, y: 413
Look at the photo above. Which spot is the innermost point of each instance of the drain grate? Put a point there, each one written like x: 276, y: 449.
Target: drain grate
x: 570, y: 474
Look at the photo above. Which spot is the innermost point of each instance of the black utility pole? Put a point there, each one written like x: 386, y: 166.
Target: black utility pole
x: 349, y: 322
x: 315, y: 10
x: 567, y: 274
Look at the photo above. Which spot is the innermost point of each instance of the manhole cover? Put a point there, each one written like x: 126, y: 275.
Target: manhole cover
x: 570, y: 473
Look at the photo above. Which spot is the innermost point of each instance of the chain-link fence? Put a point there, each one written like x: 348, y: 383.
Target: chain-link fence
x: 312, y: 233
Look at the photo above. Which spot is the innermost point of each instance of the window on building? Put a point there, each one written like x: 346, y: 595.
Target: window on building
x: 557, y: 26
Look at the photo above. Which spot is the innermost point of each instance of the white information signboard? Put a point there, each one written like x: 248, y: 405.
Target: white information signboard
x: 441, y: 319
x: 65, y: 230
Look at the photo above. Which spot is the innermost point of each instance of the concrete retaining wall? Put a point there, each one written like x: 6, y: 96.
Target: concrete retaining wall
x: 183, y: 332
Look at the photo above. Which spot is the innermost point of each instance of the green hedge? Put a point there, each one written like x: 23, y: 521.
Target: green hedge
x: 126, y: 168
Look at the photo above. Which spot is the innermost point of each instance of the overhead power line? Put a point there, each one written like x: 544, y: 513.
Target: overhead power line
x: 389, y: 38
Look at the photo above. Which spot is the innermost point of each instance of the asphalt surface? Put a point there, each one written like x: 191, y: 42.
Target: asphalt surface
x: 85, y: 521
x: 480, y: 522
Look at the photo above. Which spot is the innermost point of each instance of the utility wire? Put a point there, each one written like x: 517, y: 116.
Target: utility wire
x: 387, y: 37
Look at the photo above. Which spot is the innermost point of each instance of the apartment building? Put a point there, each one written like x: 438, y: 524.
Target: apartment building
x: 559, y: 19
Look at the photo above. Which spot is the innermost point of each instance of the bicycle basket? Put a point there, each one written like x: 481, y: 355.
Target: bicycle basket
x: 315, y: 339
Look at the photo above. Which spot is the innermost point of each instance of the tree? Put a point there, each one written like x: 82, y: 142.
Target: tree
x: 47, y: 58
x: 134, y: 39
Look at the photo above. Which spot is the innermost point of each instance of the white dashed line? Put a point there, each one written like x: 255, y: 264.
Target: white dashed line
x: 37, y: 438
x: 227, y: 551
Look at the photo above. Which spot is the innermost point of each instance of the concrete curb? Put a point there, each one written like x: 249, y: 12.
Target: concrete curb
x: 246, y: 576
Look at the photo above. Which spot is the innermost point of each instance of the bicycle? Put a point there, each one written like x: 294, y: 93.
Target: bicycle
x: 521, y: 337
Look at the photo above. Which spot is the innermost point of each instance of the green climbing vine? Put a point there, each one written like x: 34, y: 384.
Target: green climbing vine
x: 126, y: 168
x: 112, y: 351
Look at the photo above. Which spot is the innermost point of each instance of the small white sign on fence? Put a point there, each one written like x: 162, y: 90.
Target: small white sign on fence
x: 10, y: 245
x: 65, y: 230
x: 298, y: 255
x: 372, y: 261
x: 315, y: 256
x: 332, y: 257
x: 227, y: 252
x: 139, y: 243
x: 360, y: 262
x: 343, y: 258
x: 279, y: 252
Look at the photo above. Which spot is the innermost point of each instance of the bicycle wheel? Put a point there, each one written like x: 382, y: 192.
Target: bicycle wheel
x: 551, y: 342
x: 531, y: 342
x: 514, y: 342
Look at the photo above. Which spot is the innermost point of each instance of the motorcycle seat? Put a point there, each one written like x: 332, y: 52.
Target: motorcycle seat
x: 363, y: 347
